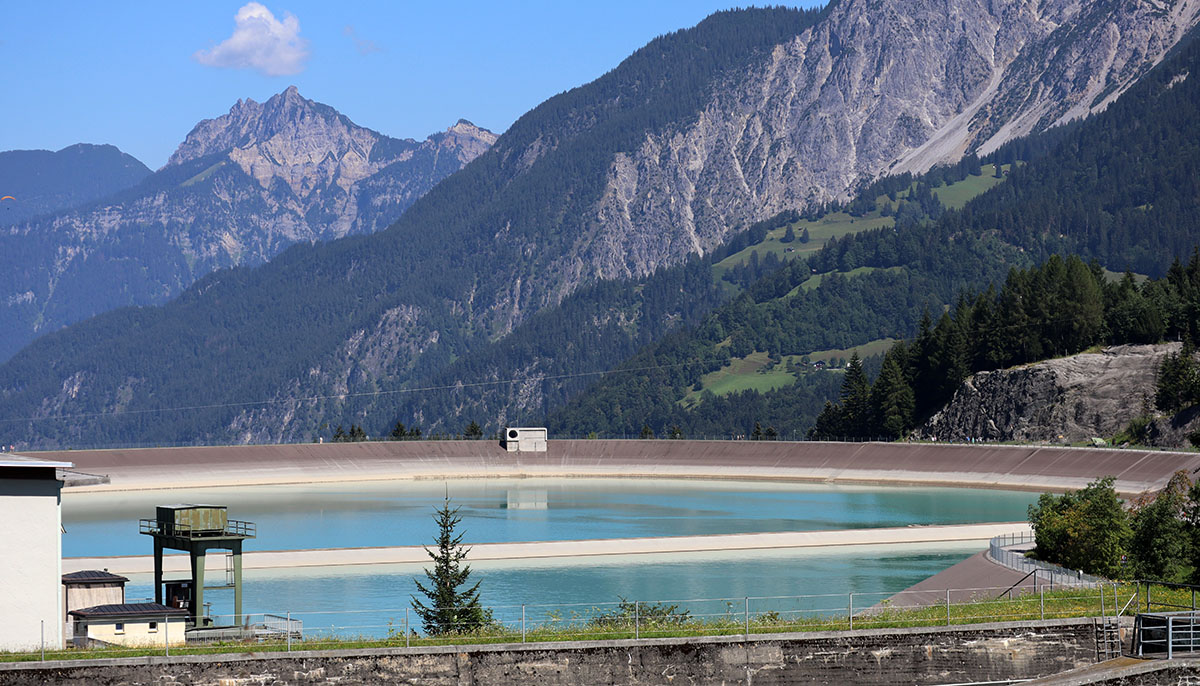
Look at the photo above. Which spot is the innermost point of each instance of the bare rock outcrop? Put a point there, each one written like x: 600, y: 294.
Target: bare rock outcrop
x: 879, y: 87
x: 1065, y: 400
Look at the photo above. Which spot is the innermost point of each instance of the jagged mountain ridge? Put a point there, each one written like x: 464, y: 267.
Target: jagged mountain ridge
x: 237, y: 191
x: 589, y: 186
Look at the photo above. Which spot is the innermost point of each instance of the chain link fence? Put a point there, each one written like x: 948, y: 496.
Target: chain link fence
x: 625, y: 619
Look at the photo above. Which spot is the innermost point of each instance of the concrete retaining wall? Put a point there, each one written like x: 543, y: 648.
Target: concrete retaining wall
x: 985, y: 652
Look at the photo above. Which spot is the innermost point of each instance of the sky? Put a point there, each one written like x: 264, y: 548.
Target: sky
x: 141, y: 74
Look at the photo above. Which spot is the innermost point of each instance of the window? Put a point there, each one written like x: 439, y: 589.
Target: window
x: 119, y: 628
x: 153, y: 627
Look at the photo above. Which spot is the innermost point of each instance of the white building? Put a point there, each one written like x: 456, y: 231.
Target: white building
x: 31, y: 549
x: 136, y: 624
x: 525, y: 439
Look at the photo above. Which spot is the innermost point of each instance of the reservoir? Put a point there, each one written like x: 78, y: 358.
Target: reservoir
x: 399, y: 513
x: 370, y: 600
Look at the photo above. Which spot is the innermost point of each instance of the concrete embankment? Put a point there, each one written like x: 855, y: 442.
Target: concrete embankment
x: 985, y: 466
x: 141, y: 564
x: 984, y: 653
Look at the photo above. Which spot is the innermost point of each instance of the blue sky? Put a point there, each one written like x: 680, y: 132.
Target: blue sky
x: 139, y: 75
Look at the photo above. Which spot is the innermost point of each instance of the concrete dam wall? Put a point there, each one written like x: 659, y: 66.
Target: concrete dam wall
x: 978, y: 653
x: 986, y: 466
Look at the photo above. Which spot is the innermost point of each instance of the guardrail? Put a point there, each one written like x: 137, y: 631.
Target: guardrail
x: 233, y: 527
x: 1042, y: 572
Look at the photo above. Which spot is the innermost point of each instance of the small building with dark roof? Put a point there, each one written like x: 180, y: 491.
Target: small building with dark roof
x: 129, y: 624
x: 90, y: 588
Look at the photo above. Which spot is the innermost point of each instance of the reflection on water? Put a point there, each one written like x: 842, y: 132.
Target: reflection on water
x: 392, y: 513
x: 528, y: 499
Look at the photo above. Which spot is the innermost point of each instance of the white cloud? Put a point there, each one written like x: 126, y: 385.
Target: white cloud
x: 364, y: 46
x: 259, y: 41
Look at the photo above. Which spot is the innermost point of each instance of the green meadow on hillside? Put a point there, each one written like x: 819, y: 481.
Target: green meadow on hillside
x: 839, y: 224
x: 758, y: 372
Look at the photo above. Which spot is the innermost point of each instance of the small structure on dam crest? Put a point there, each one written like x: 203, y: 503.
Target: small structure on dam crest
x: 196, y: 529
x: 525, y: 439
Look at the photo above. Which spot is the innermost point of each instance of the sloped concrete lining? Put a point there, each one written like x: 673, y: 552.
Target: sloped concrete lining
x: 1034, y: 468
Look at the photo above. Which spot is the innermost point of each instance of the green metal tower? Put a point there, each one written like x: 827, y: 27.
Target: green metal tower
x: 198, y: 529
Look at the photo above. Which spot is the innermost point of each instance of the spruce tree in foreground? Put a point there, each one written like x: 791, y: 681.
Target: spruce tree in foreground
x: 452, y: 609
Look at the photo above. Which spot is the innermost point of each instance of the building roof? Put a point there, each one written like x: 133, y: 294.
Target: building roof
x: 92, y: 576
x: 118, y: 610
x: 14, y: 460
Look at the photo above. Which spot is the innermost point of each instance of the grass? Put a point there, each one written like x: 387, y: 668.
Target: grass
x: 815, y: 280
x: 956, y: 195
x: 875, y: 347
x: 752, y: 372
x: 838, y: 224
x: 988, y: 606
x: 755, y: 371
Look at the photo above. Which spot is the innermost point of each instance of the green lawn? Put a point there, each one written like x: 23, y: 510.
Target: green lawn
x: 956, y: 195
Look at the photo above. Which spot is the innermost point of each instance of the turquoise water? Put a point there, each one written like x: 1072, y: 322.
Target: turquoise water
x: 394, y: 513
x: 370, y: 600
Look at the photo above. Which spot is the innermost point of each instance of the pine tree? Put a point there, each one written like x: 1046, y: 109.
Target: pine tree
x: 473, y: 432
x: 451, y: 609
x: 398, y: 432
x: 789, y: 235
x: 856, y: 399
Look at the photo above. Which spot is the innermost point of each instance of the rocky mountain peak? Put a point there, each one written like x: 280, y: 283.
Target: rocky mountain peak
x: 307, y: 145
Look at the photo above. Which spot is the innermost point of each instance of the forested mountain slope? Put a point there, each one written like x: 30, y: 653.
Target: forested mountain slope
x: 670, y: 155
x: 41, y: 181
x: 239, y: 189
x: 1119, y: 188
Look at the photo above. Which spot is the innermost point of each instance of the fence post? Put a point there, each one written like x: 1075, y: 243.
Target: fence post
x: 522, y: 622
x: 947, y: 607
x: 1170, y: 638
x: 1147, y: 596
x: 167, y: 636
x: 850, y: 611
x: 1042, y: 599
x: 289, y: 631
x: 637, y: 619
x: 747, y: 617
x: 407, y: 631
x: 1101, y: 599
x: 43, y: 640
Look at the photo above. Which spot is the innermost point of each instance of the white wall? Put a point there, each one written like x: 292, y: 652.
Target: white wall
x: 30, y: 563
x: 137, y: 632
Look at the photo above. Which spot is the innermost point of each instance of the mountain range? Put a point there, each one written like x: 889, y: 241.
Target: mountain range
x: 669, y: 159
x: 238, y: 190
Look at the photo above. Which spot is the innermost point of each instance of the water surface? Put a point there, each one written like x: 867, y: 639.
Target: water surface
x: 397, y: 513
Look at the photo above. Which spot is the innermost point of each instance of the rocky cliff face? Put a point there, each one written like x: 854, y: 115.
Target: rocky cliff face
x: 239, y: 189
x: 881, y: 86
x: 1092, y: 395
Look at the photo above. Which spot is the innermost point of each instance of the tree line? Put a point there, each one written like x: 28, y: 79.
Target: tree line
x: 1153, y: 537
x: 1059, y: 308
